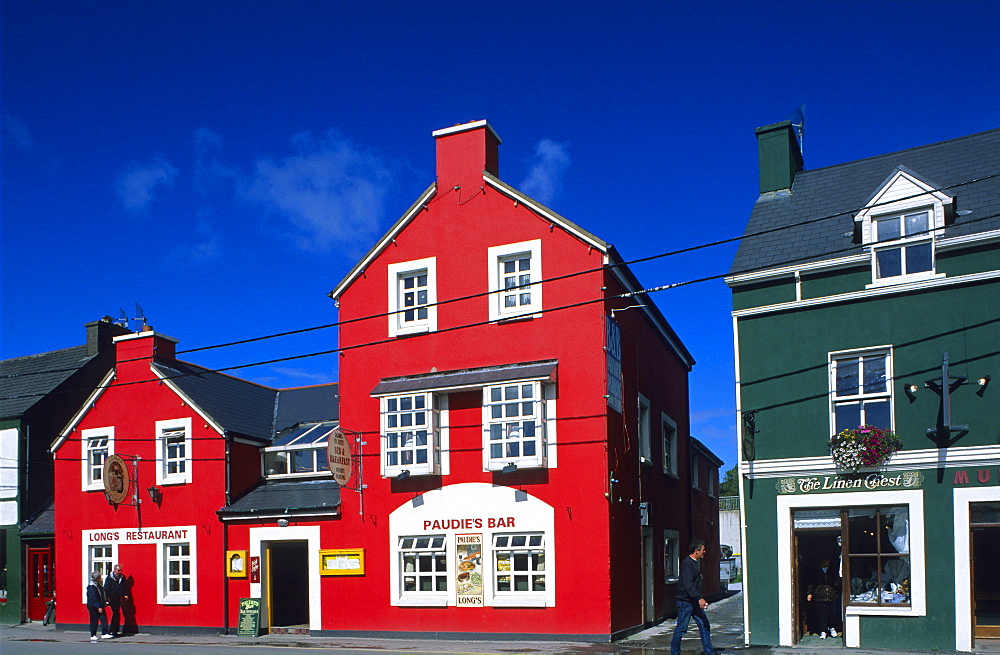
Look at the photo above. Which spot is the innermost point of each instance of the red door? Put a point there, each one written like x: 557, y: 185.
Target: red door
x: 41, y: 581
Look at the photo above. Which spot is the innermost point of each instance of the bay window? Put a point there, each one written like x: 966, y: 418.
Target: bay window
x: 410, y: 434
x: 514, y: 425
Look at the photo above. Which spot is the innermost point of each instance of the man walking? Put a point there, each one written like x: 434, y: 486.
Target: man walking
x: 116, y: 589
x: 690, y: 604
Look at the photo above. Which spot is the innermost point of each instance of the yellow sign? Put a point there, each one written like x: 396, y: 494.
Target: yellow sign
x: 237, y: 563
x: 342, y: 561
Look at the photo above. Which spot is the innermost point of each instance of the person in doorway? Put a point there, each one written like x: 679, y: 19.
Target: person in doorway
x: 116, y: 588
x: 690, y: 604
x: 824, y: 594
x: 96, y: 602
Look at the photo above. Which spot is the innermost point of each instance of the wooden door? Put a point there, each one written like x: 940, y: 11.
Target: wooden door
x: 41, y: 581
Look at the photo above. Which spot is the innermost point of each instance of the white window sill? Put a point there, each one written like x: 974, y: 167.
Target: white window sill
x: 672, y: 580
x: 176, y: 600
x: 497, y: 466
x: 882, y: 610
x: 520, y: 316
x: 413, y: 329
x: 393, y: 473
x: 519, y: 600
x: 903, y: 279
x: 94, y: 487
x: 174, y: 481
x: 437, y: 600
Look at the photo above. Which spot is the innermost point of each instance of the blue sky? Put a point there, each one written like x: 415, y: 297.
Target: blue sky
x: 224, y: 164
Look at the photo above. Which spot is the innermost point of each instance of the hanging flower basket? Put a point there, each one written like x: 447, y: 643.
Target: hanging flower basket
x: 864, y: 446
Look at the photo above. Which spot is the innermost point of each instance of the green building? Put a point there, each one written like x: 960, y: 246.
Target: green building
x: 866, y: 308
x: 38, y: 396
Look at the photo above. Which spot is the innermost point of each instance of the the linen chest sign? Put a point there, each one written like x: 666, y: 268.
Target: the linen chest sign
x: 833, y: 483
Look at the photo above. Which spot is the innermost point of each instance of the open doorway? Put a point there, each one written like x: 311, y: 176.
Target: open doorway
x: 985, y: 544
x: 288, y: 584
x: 817, y: 556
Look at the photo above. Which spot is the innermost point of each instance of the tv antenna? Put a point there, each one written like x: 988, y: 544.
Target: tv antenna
x: 141, y: 317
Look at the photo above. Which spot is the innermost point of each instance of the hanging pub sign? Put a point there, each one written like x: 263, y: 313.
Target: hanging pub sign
x: 338, y: 452
x: 116, y: 480
x: 469, y: 571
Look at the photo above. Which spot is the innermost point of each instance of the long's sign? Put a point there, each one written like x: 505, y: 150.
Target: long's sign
x: 128, y: 536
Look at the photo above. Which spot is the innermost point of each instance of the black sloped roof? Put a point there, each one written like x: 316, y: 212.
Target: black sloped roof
x: 236, y: 405
x: 837, y: 191
x: 300, y: 404
x: 299, y: 497
x: 26, y: 380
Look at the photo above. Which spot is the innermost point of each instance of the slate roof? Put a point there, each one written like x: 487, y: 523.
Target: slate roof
x: 839, y: 190
x: 29, y: 384
x: 316, y: 403
x: 43, y: 523
x: 247, y: 408
x: 299, y: 497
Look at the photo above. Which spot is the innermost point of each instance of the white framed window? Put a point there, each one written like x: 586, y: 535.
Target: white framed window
x: 519, y: 565
x: 96, y: 445
x: 668, y: 432
x: 423, y: 568
x: 515, y: 271
x: 300, y: 452
x: 411, y: 434
x: 413, y: 297
x: 695, y: 470
x: 901, y: 224
x: 904, y: 245
x: 860, y: 389
x: 514, y: 425
x: 671, y: 556
x: 643, y: 427
x: 177, y: 580
x: 173, y: 451
x: 100, y: 558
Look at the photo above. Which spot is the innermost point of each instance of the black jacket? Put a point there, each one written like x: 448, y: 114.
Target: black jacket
x: 689, y: 587
x: 115, y: 589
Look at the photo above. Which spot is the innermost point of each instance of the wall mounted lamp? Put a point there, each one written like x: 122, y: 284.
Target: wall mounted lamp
x: 510, y: 468
x: 283, y: 523
x: 155, y: 495
x: 910, y: 390
x: 405, y: 473
x: 983, y: 383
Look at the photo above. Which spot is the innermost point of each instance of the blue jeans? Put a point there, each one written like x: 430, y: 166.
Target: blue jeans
x: 686, y: 611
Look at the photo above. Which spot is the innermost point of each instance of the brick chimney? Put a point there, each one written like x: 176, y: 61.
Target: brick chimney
x: 100, y: 335
x: 464, y: 152
x: 135, y: 352
x: 779, y: 155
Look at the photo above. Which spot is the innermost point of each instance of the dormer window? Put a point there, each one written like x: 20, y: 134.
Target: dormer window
x: 300, y: 452
x: 905, y: 245
x: 901, y: 223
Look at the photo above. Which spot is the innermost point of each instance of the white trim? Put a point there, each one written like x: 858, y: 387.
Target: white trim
x: 860, y: 353
x: 546, y: 214
x: 465, y: 127
x: 173, y: 424
x: 966, y: 239
x: 674, y: 468
x: 645, y: 432
x: 309, y: 533
x: 85, y: 437
x: 189, y: 402
x: 386, y: 239
x: 87, y: 405
x: 918, y: 592
x: 905, y: 287
x: 85, y: 568
x: 494, y: 255
x: 10, y: 465
x: 785, y: 271
x: 143, y: 335
x: 436, y: 409
x: 395, y: 317
x: 963, y: 555
x: 903, y: 460
x: 546, y: 403
x: 165, y: 597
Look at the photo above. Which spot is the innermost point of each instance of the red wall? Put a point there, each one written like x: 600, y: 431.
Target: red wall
x: 133, y: 409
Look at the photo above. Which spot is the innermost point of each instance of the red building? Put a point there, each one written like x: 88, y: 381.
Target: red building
x: 516, y: 412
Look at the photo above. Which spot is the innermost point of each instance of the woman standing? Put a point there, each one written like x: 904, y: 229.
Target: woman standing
x: 96, y: 602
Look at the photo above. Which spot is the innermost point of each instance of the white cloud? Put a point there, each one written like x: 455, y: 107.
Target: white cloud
x: 329, y: 193
x: 544, y: 180
x: 136, y: 187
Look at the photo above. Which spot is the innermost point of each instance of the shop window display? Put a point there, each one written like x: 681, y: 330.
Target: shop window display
x: 878, y: 550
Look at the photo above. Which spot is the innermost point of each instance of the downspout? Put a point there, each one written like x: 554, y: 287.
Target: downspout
x: 225, y: 539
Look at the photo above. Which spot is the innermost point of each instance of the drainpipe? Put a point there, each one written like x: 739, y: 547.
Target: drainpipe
x: 225, y: 539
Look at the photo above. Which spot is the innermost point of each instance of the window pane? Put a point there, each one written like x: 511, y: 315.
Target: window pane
x: 888, y: 263
x: 918, y: 258
x: 874, y: 368
x: 847, y: 377
x: 863, y: 574
x: 916, y: 223
x: 887, y: 229
x: 862, y: 527
x: 847, y: 416
x: 877, y: 414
